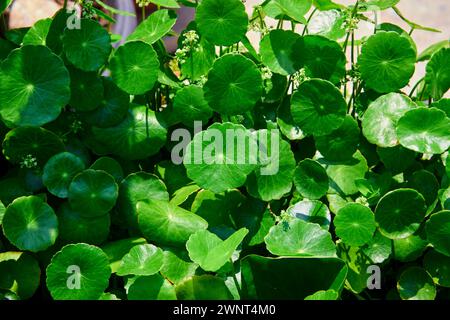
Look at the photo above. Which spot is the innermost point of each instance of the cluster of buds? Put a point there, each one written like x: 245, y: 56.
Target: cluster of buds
x: 299, y: 77
x: 87, y: 10
x: 189, y: 44
x: 76, y: 126
x: 354, y: 74
x: 266, y: 73
x: 29, y: 162
x: 143, y: 3
x: 351, y: 22
x: 362, y: 200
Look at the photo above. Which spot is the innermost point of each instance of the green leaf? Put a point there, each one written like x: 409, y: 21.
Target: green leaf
x: 342, y: 143
x: 215, y: 167
x: 437, y: 76
x: 328, y: 23
x: 400, y: 212
x: 277, y: 51
x: 75, y: 228
x: 273, y: 186
x: 153, y: 287
x: 311, y: 211
x: 37, y: 142
x: 205, y: 287
x: 318, y: 107
x: 142, y: 260
x: 438, y: 231
x: 311, y: 179
x: 322, y: 58
x: 86, y: 88
x: 299, y: 238
x: 438, y: 266
x: 234, y: 85
x: 327, y: 5
x: 222, y: 22
x: 139, y: 186
x: 109, y: 165
x: 156, y: 26
x: 216, y: 208
x: 355, y: 224
x: 431, y: 50
x: 134, y: 67
x: 323, y: 295
x: 387, y: 61
x: 115, y: 250
x: 381, y: 118
x: 177, y: 269
x: 93, y: 193
x: 20, y: 273
x: 166, y: 3
x: 167, y: 224
x: 379, y: 249
x: 425, y: 130
x: 59, y: 172
x: 209, y: 251
x: 37, y: 35
x: 189, y: 105
x: 79, y: 266
x: 290, y: 278
x: 410, y: 248
x: 140, y: 134
x: 416, y: 284
x: 426, y: 183
x: 343, y: 174
x: 88, y: 47
x: 4, y: 4
x: 112, y: 109
x: 30, y: 224
x: 286, y: 123
x: 34, y: 87
x: 294, y: 9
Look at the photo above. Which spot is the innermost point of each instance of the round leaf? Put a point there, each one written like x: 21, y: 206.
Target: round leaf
x: 30, y: 224
x: 142, y: 260
x: 59, y: 172
x: 342, y: 143
x: 387, y: 61
x: 355, y: 224
x: 438, y: 231
x: 416, y: 284
x: 34, y: 87
x: 153, y: 287
x: 93, y: 193
x: 190, y: 105
x: 318, y: 107
x: 222, y: 22
x: 167, y: 224
x: 400, y: 212
x: 134, y: 67
x: 299, y: 238
x: 438, y: 266
x: 311, y: 179
x: 311, y: 211
x: 425, y: 130
x: 87, y: 47
x: 234, y: 85
x: 381, y: 118
x: 86, y: 88
x: 438, y: 73
x: 78, y: 272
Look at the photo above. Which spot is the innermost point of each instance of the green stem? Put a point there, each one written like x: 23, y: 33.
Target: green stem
x: 65, y: 5
x: 416, y: 86
x: 143, y: 13
x: 305, y: 29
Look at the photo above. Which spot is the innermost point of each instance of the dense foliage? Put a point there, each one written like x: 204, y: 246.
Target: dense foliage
x: 94, y: 207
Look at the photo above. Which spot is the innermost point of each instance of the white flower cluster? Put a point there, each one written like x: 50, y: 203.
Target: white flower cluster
x: 299, y: 77
x: 189, y: 44
x: 29, y: 162
x: 351, y: 22
x: 143, y: 3
x: 266, y: 73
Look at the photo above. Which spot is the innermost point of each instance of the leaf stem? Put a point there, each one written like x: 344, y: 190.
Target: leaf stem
x: 416, y: 86
x: 305, y: 29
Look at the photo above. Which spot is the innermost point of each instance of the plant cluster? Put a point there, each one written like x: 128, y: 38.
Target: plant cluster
x: 93, y: 207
